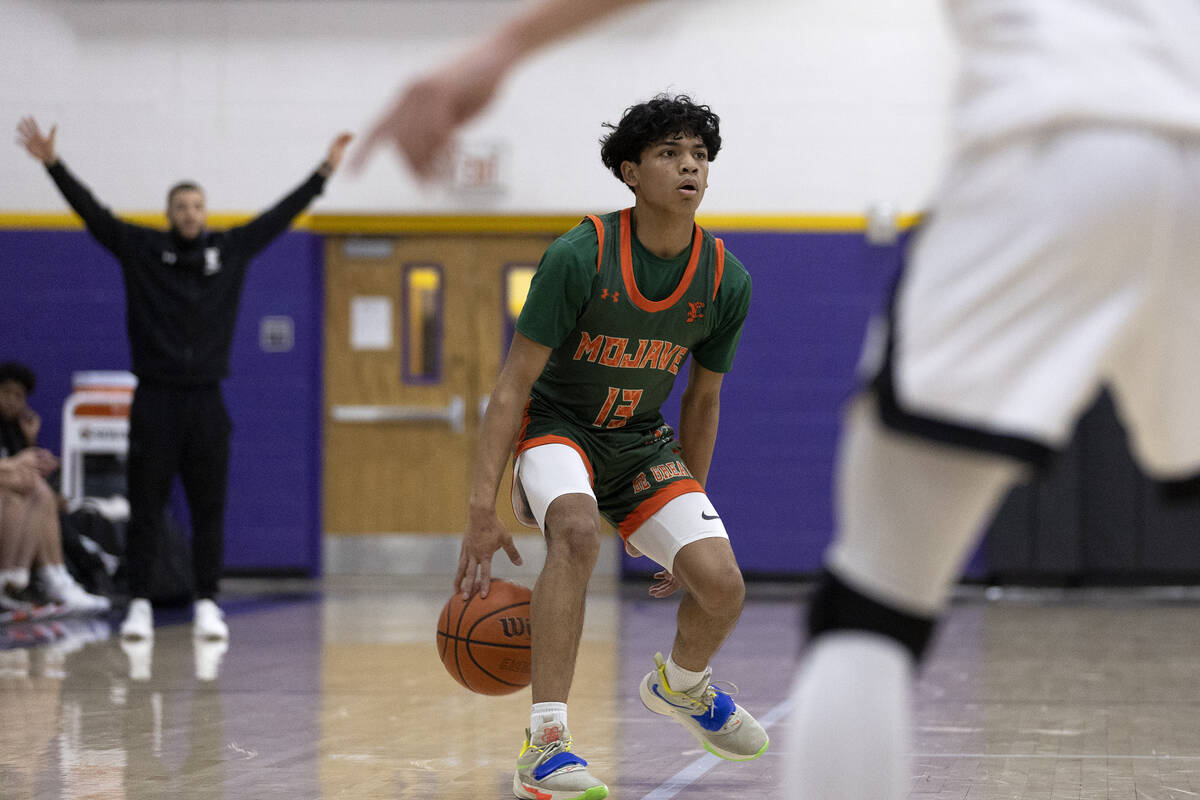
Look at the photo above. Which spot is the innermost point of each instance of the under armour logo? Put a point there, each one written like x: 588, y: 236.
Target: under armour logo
x: 605, y: 294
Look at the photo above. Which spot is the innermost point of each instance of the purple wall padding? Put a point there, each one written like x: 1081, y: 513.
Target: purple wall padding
x: 771, y: 478
x: 64, y: 310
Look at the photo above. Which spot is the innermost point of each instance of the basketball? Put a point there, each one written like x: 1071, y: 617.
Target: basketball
x: 484, y: 641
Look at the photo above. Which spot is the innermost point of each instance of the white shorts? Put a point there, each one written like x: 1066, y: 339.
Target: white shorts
x: 1052, y: 266
x: 544, y: 473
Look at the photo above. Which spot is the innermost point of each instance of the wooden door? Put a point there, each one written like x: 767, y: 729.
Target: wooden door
x: 415, y: 333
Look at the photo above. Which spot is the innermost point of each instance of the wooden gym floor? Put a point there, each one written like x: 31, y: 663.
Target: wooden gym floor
x: 334, y: 690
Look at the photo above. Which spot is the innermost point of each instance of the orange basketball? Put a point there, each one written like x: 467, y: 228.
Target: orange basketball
x: 484, y: 641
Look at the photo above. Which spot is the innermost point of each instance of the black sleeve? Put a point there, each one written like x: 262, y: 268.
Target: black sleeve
x: 258, y: 232
x: 101, y: 223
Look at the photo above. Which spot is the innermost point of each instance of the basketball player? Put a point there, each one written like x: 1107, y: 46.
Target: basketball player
x: 1061, y: 256
x: 616, y: 306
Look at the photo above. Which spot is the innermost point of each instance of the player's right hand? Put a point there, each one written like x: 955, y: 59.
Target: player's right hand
x: 483, y: 537
x: 422, y: 120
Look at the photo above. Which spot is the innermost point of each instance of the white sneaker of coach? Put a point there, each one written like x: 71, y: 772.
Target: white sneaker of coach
x: 208, y: 621
x: 139, y: 620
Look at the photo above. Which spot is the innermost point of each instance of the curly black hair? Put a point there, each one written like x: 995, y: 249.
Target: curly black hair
x: 654, y: 120
x: 16, y: 371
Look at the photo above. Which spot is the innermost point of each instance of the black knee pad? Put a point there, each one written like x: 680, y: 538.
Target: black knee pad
x: 835, y: 606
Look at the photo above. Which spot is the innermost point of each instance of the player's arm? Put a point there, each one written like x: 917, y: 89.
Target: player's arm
x: 260, y: 231
x: 501, y: 423
x: 100, y: 222
x: 422, y: 120
x: 699, y: 413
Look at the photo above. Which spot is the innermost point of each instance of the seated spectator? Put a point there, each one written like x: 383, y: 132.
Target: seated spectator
x: 30, y: 533
x: 30, y: 538
x: 19, y: 424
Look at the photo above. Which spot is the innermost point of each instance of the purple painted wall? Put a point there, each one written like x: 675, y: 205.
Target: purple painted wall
x: 771, y: 476
x: 64, y: 311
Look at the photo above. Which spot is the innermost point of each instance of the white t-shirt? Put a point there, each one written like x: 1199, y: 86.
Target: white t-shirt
x: 1042, y: 63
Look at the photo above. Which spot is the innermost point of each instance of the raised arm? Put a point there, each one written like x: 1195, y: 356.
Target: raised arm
x: 100, y: 222
x: 258, y: 232
x: 425, y: 115
x: 485, y: 535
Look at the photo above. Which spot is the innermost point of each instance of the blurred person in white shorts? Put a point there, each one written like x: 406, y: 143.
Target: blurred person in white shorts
x: 1060, y: 257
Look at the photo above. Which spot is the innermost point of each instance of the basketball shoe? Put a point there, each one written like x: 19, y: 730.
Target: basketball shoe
x: 548, y: 770
x: 722, y: 727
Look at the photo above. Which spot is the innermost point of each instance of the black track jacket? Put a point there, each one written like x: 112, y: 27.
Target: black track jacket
x: 182, y: 296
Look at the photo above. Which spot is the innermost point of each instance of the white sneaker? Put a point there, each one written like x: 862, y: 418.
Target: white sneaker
x: 63, y: 590
x: 139, y: 620
x: 74, y: 599
x: 208, y: 621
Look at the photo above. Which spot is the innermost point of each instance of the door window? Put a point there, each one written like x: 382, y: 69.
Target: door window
x: 516, y: 288
x: 423, y: 323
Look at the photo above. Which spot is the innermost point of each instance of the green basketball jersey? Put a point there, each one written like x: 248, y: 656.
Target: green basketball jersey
x: 618, y: 364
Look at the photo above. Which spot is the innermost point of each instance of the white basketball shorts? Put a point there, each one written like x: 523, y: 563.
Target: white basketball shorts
x: 544, y: 473
x: 1051, y: 266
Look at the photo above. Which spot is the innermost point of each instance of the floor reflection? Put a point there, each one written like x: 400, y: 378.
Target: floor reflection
x: 338, y: 692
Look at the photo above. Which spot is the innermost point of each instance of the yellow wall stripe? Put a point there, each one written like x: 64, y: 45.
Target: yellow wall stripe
x: 386, y: 224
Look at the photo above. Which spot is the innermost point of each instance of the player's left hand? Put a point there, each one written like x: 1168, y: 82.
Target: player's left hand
x: 665, y: 584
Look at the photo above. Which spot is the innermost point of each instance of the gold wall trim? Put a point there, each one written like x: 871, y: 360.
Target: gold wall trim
x: 387, y: 224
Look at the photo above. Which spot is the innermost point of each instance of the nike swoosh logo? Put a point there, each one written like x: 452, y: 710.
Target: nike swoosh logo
x: 706, y: 516
x: 654, y: 689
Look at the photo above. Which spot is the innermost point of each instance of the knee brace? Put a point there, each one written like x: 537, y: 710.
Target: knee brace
x: 835, y: 606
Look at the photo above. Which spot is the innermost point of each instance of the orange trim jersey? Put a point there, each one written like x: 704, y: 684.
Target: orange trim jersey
x: 617, y: 364
x: 621, y: 323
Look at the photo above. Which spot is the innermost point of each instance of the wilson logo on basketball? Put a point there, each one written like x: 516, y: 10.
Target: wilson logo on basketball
x: 515, y: 626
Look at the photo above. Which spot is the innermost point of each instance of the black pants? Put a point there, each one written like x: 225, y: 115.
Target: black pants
x: 185, y: 431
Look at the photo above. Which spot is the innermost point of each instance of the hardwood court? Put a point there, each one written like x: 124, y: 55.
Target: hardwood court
x: 336, y: 692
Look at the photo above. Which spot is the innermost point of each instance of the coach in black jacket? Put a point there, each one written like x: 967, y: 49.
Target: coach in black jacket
x: 182, y: 289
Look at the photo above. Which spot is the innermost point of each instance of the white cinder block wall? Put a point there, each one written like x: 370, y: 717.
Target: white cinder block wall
x: 827, y: 105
